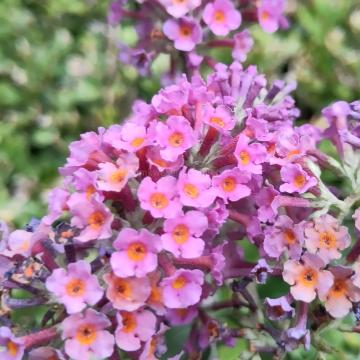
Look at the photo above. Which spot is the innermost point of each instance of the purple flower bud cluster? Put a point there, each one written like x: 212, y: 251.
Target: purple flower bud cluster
x: 192, y: 27
x: 144, y: 232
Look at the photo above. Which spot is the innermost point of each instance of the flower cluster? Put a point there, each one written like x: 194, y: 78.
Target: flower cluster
x: 144, y: 230
x: 192, y: 27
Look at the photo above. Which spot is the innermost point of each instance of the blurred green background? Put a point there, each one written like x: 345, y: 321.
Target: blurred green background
x: 59, y: 77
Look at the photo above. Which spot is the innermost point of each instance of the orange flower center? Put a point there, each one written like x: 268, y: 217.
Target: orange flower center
x: 136, y: 142
x: 128, y: 321
x: 75, y: 287
x: 185, y: 31
x: 229, y: 184
x: 191, y: 190
x: 86, y: 334
x: 122, y: 288
x: 327, y: 240
x: 219, y: 16
x: 155, y: 295
x: 176, y: 139
x: 159, y: 200
x: 244, y: 157
x: 309, y: 277
x: 181, y: 234
x: 292, y: 153
x: 299, y: 181
x: 90, y: 190
x: 12, y: 348
x: 137, y: 251
x: 118, y: 176
x: 161, y: 163
x: 96, y: 220
x: 265, y: 16
x: 179, y: 282
x: 339, y: 288
x: 218, y: 121
x: 289, y: 236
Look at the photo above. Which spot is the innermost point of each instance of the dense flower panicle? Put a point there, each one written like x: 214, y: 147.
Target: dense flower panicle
x: 192, y: 26
x: 143, y: 233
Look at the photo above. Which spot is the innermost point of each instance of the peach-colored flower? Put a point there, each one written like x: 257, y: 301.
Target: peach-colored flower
x: 306, y: 277
x: 338, y: 299
x: 325, y: 237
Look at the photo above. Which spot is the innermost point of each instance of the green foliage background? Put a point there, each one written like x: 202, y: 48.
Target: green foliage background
x: 59, y: 77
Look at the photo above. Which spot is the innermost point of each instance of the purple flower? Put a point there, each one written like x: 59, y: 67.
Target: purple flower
x: 85, y: 337
x: 180, y: 8
x: 264, y: 199
x: 136, y: 253
x: 270, y: 14
x: 243, y: 42
x: 183, y: 288
x: 221, y: 17
x: 296, y: 179
x: 220, y: 117
x: 56, y: 204
x: 185, y: 32
x: 279, y: 308
x: 11, y: 348
x: 75, y: 287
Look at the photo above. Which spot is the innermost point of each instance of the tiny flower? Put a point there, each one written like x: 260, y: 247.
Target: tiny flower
x: 75, y: 287
x: 20, y: 242
x: 136, y: 253
x: 174, y: 137
x: 182, y: 234
x: 270, y: 14
x: 182, y: 316
x: 114, y: 177
x: 159, y: 198
x: 85, y: 181
x: 130, y: 137
x: 296, y: 179
x: 91, y: 216
x: 264, y: 199
x: 183, y: 288
x: 338, y: 299
x: 180, y: 8
x: 85, y: 337
x: 243, y: 42
x: 250, y: 156
x: 195, y: 189
x: 46, y: 353
x: 306, y: 277
x: 154, y: 158
x: 279, y: 308
x: 325, y: 237
x: 220, y: 117
x: 185, y: 32
x: 229, y: 185
x: 221, y: 17
x: 57, y: 204
x: 155, y: 300
x: 11, y: 348
x: 127, y: 293
x: 133, y: 328
x: 282, y: 235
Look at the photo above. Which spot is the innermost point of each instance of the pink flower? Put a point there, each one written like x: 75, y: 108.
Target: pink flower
x: 180, y: 8
x: 296, y: 179
x: 356, y: 216
x: 185, y: 32
x: 133, y: 328
x: 130, y: 137
x: 221, y: 17
x: 250, y: 156
x: 127, y: 293
x: 92, y: 216
x: 220, y: 117
x: 114, y: 177
x: 338, y: 299
x: 85, y: 181
x: 11, y: 348
x: 174, y: 137
x: 136, y: 253
x: 270, y: 14
x: 183, y: 288
x: 46, y: 353
x: 325, y: 237
x: 57, y: 199
x: 243, y: 42
x: 182, y: 234
x: 154, y: 158
x: 75, y: 287
x: 182, y: 316
x: 20, y: 242
x: 306, y: 277
x: 229, y: 185
x: 279, y: 308
x: 284, y: 235
x: 195, y: 189
x: 264, y: 199
x: 159, y: 198
x: 85, y: 337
